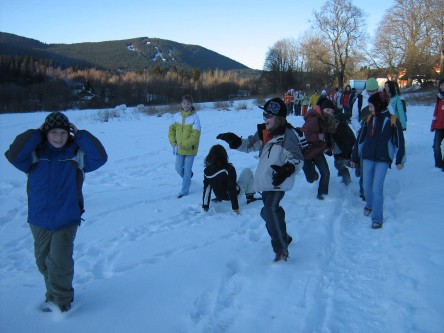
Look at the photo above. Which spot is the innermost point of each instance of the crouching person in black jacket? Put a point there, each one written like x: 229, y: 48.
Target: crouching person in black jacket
x: 220, y: 178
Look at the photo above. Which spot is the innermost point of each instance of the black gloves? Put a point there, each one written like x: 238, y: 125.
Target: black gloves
x: 281, y: 173
x: 232, y: 139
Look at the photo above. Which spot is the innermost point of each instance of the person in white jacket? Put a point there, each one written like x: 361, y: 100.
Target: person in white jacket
x: 280, y: 159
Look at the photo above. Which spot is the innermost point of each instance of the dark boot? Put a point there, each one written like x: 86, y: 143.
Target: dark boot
x: 250, y: 198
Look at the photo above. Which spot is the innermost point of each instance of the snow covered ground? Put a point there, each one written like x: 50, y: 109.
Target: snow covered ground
x: 149, y: 262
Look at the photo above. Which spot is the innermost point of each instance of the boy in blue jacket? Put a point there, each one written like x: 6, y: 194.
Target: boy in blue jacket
x: 55, y: 157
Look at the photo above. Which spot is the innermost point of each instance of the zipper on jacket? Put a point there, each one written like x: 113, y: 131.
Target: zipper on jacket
x: 278, y: 140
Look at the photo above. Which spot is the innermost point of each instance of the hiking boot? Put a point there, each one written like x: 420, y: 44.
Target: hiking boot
x: 280, y: 257
x: 250, y: 198
x: 367, y: 211
x: 376, y: 225
x: 65, y: 307
x: 47, y: 306
x: 320, y: 197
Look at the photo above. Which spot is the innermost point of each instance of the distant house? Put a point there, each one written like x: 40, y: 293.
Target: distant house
x: 76, y: 87
x: 81, y: 97
x: 85, y: 96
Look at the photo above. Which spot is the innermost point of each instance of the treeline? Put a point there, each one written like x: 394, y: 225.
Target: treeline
x: 28, y: 84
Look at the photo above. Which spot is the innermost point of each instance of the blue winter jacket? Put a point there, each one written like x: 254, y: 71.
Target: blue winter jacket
x: 55, y: 175
x: 384, y: 145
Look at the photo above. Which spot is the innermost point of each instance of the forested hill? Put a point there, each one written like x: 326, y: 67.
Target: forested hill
x: 136, y: 54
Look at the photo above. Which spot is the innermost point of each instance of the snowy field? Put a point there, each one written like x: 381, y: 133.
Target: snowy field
x: 146, y: 261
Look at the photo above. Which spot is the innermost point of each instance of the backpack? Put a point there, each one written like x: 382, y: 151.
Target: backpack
x: 303, y: 143
x: 392, y: 122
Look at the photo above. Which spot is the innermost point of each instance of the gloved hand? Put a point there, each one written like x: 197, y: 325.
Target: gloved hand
x: 281, y: 173
x: 232, y: 139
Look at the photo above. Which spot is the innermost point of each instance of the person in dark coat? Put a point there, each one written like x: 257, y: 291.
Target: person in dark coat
x: 438, y: 126
x: 315, y: 130
x: 340, y: 140
x: 379, y: 143
x: 220, y: 178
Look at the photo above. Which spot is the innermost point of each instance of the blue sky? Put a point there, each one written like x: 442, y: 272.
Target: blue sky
x: 241, y: 30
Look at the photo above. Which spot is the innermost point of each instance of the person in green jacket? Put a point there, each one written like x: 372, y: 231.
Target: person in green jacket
x: 313, y: 99
x: 184, y: 137
x: 305, y: 102
x: 396, y: 103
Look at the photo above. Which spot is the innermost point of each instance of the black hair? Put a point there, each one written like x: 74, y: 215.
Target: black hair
x: 217, y: 156
x: 392, y: 88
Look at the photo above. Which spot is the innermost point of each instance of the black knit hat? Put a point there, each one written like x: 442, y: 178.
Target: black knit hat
x: 56, y: 120
x: 276, y: 107
x: 380, y: 100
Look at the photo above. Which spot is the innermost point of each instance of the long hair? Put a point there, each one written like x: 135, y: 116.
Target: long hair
x: 217, y: 156
x: 330, y: 121
x: 392, y: 88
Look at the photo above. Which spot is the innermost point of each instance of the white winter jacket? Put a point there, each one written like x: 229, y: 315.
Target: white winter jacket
x: 279, y: 150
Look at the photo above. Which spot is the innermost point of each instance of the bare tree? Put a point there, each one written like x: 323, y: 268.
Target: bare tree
x: 281, y: 60
x: 315, y: 58
x: 342, y: 28
x: 436, y: 14
x: 410, y: 37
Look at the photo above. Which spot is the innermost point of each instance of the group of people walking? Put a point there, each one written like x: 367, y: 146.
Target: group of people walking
x: 297, y: 102
x: 57, y: 154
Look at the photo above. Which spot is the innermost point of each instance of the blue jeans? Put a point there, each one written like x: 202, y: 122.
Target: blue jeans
x: 374, y: 176
x: 311, y: 175
x: 184, y: 165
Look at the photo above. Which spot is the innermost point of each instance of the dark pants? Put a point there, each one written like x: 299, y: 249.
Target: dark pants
x: 348, y: 113
x: 297, y: 109
x: 439, y: 137
x: 53, y: 252
x: 342, y: 169
x: 274, y: 217
x: 311, y: 175
x: 359, y: 173
x: 290, y: 108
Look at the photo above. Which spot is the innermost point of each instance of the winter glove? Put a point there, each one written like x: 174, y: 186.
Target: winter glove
x: 232, y: 139
x: 281, y: 173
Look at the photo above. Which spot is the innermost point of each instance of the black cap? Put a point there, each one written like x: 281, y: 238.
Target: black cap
x: 276, y: 107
